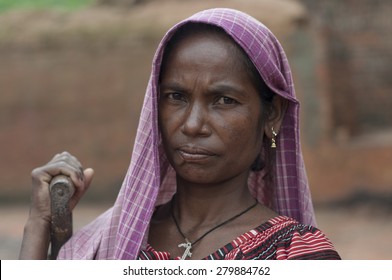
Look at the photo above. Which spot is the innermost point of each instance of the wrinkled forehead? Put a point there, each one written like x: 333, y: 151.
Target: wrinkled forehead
x: 192, y: 38
x: 191, y: 30
x: 241, y: 28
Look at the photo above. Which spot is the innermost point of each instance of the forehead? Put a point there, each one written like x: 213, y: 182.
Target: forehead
x: 212, y: 44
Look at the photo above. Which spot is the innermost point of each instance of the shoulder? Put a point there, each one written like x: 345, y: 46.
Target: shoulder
x: 298, y: 241
x: 284, y: 238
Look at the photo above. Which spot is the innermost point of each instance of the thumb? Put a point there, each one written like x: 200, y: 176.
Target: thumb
x: 88, y: 176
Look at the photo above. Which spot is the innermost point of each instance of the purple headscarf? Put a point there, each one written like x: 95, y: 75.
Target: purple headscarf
x: 122, y: 231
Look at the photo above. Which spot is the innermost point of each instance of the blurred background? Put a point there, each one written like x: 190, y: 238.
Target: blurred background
x: 73, y: 76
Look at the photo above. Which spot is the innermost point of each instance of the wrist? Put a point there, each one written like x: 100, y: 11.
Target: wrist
x: 36, y: 239
x: 37, y: 224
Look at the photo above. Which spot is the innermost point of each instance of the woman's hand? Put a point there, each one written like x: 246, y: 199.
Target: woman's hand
x: 61, y: 164
x: 37, y: 229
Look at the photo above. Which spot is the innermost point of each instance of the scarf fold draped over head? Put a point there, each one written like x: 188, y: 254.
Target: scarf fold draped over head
x: 122, y: 231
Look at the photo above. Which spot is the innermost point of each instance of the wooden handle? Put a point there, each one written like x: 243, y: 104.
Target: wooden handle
x: 61, y: 190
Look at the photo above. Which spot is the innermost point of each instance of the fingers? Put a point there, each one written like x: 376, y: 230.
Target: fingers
x: 61, y: 164
x: 66, y: 164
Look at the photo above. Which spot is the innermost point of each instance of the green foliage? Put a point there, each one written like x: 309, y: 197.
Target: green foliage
x: 6, y: 5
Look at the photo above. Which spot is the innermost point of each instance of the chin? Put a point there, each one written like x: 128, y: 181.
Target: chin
x: 197, y: 176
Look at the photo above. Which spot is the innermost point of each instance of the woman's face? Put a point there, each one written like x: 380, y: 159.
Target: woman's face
x: 209, y: 111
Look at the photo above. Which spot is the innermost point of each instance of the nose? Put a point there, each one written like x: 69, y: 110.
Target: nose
x: 195, y: 122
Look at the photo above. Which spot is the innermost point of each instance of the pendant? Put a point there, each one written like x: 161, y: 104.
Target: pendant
x: 188, y: 246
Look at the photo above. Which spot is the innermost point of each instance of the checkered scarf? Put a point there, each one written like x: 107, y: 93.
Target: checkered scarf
x: 121, y: 231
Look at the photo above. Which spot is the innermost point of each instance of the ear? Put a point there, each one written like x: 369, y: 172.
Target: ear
x: 275, y: 118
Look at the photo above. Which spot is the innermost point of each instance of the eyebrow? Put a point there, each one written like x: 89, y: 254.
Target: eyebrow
x: 227, y: 88
x: 214, y: 89
x: 171, y: 85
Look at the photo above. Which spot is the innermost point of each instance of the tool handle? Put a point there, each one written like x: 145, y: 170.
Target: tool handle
x: 61, y: 190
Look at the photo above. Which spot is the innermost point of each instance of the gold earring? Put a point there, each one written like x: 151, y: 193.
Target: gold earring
x: 273, y: 140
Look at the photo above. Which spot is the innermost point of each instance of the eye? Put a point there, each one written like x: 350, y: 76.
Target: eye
x: 176, y: 96
x: 173, y: 96
x: 224, y: 100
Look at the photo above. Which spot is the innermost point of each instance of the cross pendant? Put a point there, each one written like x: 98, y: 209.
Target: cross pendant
x: 188, y: 247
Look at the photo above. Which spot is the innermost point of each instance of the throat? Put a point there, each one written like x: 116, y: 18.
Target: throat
x: 200, y: 206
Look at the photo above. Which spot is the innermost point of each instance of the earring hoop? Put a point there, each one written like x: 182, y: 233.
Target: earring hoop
x: 273, y: 140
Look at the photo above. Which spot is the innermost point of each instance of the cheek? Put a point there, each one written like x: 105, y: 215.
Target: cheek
x: 166, y: 121
x: 244, y: 135
x: 163, y: 127
x: 246, y: 128
x: 169, y: 124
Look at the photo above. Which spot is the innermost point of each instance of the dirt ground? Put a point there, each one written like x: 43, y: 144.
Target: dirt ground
x: 358, y: 233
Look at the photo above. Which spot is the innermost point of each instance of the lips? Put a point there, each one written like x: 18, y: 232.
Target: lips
x: 193, y: 153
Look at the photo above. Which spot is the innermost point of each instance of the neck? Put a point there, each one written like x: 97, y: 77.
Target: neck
x: 208, y: 204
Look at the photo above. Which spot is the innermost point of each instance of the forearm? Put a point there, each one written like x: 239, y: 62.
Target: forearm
x: 36, y: 239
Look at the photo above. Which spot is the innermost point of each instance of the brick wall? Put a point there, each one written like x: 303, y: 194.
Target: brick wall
x: 343, y: 61
x: 358, y: 61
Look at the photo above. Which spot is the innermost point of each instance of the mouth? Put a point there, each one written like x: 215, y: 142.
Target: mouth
x: 191, y: 153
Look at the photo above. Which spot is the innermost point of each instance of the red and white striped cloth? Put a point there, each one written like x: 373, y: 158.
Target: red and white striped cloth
x: 280, y: 238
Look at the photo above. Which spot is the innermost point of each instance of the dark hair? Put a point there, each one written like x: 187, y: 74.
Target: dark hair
x: 265, y: 159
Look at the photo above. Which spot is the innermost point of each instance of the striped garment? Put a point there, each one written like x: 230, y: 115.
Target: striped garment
x: 280, y: 238
x: 121, y: 232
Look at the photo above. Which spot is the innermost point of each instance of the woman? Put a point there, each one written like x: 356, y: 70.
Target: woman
x: 216, y: 171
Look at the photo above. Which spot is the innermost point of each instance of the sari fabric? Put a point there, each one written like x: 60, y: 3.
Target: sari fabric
x: 121, y: 232
x: 280, y: 238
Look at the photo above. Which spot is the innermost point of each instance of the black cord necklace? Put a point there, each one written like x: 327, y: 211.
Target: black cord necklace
x: 188, y: 244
